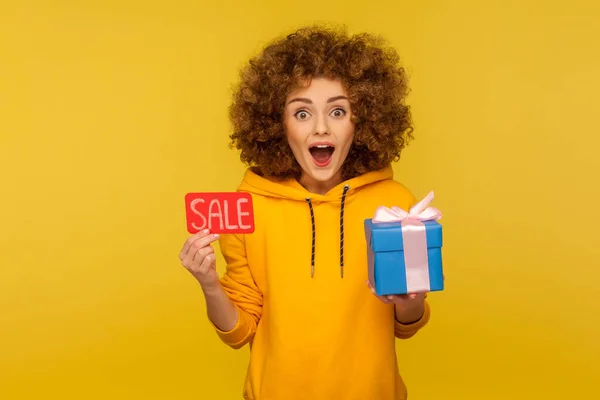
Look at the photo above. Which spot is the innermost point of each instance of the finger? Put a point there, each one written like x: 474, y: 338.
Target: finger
x: 382, y: 298
x: 199, y: 244
x: 203, y: 242
x: 397, y: 299
x: 188, y: 243
x: 371, y: 288
x: 199, y: 256
x: 207, y: 264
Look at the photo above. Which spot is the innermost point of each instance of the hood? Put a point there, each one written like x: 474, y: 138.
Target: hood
x: 292, y: 190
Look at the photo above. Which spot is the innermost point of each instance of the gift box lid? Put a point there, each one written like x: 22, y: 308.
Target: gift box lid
x: 387, y: 236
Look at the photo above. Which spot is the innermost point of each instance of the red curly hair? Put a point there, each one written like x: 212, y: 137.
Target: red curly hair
x: 369, y: 72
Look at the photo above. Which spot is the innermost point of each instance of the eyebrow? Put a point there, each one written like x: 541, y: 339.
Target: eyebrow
x: 336, y: 98
x: 309, y: 101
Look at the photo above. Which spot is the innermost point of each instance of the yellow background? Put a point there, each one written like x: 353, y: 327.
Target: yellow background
x: 111, y: 111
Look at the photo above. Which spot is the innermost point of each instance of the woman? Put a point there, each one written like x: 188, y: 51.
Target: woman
x: 318, y: 116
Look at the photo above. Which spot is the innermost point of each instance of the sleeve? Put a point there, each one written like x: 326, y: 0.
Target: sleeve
x: 240, y: 287
x: 403, y: 331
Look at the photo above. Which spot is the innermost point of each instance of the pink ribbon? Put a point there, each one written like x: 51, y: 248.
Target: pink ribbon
x: 414, y: 238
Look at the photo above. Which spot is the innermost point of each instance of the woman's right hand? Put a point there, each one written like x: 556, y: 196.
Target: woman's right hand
x: 197, y: 256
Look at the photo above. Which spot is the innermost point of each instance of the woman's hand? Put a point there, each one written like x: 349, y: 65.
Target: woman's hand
x: 197, y: 256
x: 409, y: 307
x: 402, y: 300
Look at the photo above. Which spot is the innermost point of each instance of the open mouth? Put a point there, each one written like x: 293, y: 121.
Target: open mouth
x: 321, y: 153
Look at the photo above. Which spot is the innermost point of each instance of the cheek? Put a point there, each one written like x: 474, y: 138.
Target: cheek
x: 347, y: 135
x: 294, y: 136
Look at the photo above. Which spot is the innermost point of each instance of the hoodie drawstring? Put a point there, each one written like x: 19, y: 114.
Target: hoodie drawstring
x: 313, y: 234
x: 346, y: 188
x: 312, y: 251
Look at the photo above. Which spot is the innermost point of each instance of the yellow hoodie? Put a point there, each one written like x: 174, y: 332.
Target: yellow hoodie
x: 299, y: 282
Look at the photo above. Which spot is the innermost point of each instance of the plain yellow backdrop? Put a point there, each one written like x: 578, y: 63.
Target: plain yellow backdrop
x: 111, y: 111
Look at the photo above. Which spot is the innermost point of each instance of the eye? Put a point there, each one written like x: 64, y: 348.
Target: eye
x: 338, y: 113
x: 301, y: 115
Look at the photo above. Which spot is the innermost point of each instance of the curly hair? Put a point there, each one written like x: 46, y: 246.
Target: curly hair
x: 369, y: 72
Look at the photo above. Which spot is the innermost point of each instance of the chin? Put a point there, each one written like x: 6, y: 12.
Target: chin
x: 322, y: 164
x: 323, y: 174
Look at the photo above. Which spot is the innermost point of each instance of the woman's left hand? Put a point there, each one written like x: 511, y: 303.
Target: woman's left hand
x: 408, y: 308
x: 403, y: 301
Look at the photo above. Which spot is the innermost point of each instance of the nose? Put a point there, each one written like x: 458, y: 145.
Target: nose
x: 321, y: 126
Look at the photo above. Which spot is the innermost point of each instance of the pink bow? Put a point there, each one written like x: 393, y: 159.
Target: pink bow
x: 420, y: 212
x: 414, y: 238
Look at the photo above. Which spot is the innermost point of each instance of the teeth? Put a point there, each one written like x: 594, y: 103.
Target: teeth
x: 322, y: 146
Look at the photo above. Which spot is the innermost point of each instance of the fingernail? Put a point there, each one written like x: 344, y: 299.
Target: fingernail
x: 216, y: 235
x: 205, y: 231
x: 390, y: 297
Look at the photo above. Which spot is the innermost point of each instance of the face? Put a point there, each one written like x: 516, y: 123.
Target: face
x: 319, y: 130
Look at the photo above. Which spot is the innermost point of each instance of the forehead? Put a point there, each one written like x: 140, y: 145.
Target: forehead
x: 319, y: 88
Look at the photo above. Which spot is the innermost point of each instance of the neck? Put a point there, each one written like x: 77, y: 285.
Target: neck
x: 320, y: 187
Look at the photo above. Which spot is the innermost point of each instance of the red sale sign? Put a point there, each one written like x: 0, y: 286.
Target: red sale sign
x: 220, y: 212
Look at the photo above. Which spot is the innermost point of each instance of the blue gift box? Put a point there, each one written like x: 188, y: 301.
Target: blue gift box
x: 385, y: 253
